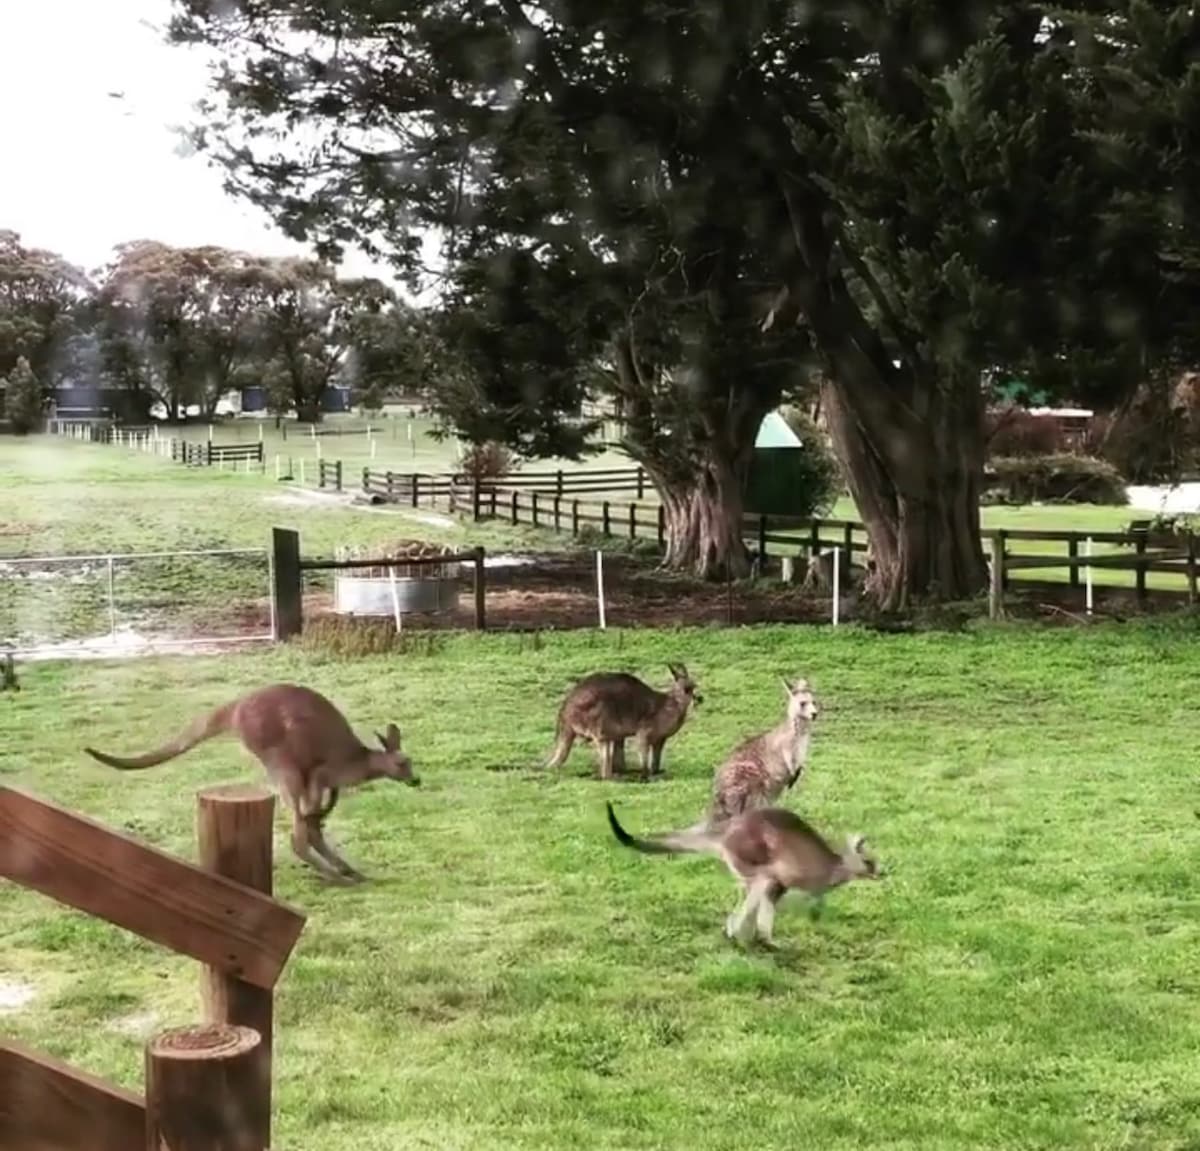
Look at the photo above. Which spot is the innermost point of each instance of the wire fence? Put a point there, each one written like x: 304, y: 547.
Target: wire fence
x: 107, y: 603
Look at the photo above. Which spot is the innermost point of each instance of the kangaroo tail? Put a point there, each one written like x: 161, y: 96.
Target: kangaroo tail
x: 564, y: 740
x: 696, y: 839
x: 205, y: 727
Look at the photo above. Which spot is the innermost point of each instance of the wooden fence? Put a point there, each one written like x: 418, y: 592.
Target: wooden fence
x: 208, y: 1087
x: 416, y: 487
x: 1015, y: 554
x: 146, y: 439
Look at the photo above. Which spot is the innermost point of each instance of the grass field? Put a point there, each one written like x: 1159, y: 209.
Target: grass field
x: 1024, y: 977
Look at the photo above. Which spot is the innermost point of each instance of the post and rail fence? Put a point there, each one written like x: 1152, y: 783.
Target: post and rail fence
x: 207, y: 1087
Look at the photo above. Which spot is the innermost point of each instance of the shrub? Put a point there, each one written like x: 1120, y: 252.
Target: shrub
x: 488, y: 461
x: 1062, y: 478
x: 1012, y: 431
x: 803, y: 481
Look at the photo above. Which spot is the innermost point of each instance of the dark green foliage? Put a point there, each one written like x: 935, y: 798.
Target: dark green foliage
x: 23, y: 399
x: 1065, y: 478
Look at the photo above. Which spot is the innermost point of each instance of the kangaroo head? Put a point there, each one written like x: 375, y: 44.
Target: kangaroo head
x: 857, y: 861
x: 801, y: 705
x: 684, y: 687
x: 392, y: 762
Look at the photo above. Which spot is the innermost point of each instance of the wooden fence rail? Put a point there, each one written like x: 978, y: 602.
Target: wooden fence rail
x: 208, y: 1087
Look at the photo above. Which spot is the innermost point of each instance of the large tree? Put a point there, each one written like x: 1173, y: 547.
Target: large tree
x: 693, y: 197
x: 40, y: 296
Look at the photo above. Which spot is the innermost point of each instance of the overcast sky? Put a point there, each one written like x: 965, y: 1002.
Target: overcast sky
x: 84, y: 171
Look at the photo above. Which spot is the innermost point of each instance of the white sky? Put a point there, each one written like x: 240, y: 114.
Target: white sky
x: 83, y: 171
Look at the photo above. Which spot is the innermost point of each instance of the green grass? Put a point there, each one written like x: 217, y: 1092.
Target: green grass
x: 1025, y: 976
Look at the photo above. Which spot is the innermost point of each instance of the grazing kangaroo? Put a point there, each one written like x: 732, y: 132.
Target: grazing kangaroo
x: 762, y: 767
x: 308, y: 750
x: 770, y: 850
x: 609, y: 707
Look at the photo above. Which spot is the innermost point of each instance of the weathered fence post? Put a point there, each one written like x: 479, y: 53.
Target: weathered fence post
x: 606, y: 523
x: 233, y: 833
x: 533, y: 510
x: 289, y: 614
x: 762, y: 540
x: 208, y: 449
x: 1191, y: 568
x: 1073, y: 555
x: 201, y: 1093
x: 641, y: 482
x: 558, y: 482
x: 416, y: 489
x: 633, y: 521
x: 1140, y: 586
x: 558, y: 513
x: 1000, y: 543
x: 662, y: 526
x: 338, y: 474
x: 996, y: 586
x: 574, y: 517
x: 515, y: 509
x: 475, y: 497
x: 480, y: 591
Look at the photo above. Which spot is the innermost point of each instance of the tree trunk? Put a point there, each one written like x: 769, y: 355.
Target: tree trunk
x: 916, y: 482
x: 704, y: 522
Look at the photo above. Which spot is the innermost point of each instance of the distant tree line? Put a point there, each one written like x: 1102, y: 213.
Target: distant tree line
x: 182, y: 327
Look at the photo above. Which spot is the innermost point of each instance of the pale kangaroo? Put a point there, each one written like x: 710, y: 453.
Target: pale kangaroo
x: 307, y: 748
x: 771, y: 851
x: 763, y: 767
x: 609, y: 707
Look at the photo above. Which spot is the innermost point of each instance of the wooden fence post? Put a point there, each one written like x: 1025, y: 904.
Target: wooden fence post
x: 814, y: 537
x: 416, y: 489
x: 641, y: 482
x: 1001, y: 544
x: 605, y: 519
x: 320, y: 473
x: 1073, y: 554
x: 338, y: 473
x: 1140, y: 586
x: 633, y: 521
x: 475, y: 497
x: 233, y: 833
x: 200, y: 1090
x: 515, y: 508
x: 492, y: 501
x: 848, y: 544
x: 996, y: 588
x: 558, y: 513
x: 289, y: 612
x: 762, y: 540
x: 662, y: 526
x: 533, y: 512
x: 574, y: 517
x: 208, y: 457
x: 1191, y: 568
x: 480, y: 591
x: 558, y: 483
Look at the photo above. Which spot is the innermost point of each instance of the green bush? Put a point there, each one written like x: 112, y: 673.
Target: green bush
x: 23, y: 399
x: 1063, y: 478
x: 803, y: 481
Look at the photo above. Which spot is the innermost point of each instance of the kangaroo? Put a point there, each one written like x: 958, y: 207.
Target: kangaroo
x: 770, y: 850
x: 308, y: 750
x: 608, y: 707
x: 762, y: 767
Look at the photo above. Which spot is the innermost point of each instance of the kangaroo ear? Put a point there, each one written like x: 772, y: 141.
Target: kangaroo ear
x: 858, y: 844
x: 391, y: 738
x: 787, y: 687
x: 674, y: 670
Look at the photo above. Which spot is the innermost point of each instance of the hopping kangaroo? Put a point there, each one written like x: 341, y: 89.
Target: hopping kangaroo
x: 762, y: 767
x: 771, y: 851
x: 609, y: 707
x: 307, y: 748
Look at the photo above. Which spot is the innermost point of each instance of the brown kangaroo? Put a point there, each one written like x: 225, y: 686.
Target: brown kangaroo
x: 307, y: 748
x: 763, y: 767
x: 770, y: 850
x: 609, y: 707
